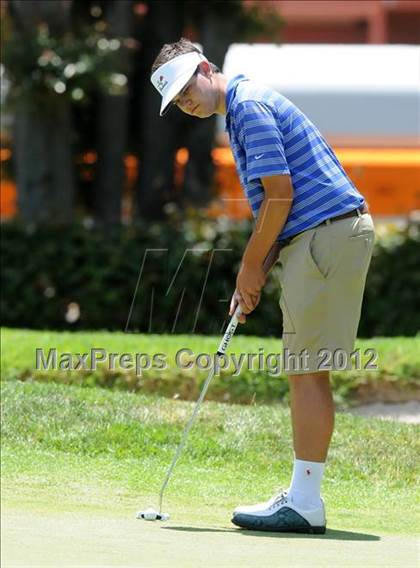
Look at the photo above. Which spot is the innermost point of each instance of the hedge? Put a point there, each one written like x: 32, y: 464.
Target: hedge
x: 81, y: 278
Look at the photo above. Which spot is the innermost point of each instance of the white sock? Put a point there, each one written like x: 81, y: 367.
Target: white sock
x: 305, y: 487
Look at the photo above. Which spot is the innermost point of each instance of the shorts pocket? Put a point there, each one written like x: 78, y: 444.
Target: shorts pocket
x: 319, y: 254
x: 359, y: 252
x: 366, y: 237
x: 369, y: 234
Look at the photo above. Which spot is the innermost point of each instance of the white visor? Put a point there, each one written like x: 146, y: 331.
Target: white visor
x: 171, y: 77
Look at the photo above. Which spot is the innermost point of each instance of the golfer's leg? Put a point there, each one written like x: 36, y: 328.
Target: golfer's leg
x: 312, y: 411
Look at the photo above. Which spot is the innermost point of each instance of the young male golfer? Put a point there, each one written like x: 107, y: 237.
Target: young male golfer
x: 300, y: 197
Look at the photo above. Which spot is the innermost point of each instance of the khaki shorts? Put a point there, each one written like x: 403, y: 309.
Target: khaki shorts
x: 322, y: 274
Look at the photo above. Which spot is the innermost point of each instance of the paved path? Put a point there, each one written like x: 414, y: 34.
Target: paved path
x: 408, y: 412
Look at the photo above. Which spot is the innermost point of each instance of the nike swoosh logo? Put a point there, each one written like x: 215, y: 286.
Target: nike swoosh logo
x: 257, y: 157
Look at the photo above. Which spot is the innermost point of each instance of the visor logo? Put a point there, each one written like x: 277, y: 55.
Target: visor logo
x: 161, y: 84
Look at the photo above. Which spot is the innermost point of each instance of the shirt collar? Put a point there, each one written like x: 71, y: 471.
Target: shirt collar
x: 230, y: 94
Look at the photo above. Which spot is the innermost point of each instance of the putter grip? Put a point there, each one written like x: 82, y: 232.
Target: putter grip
x: 233, y: 324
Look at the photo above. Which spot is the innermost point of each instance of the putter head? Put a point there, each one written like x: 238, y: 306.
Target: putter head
x: 152, y: 515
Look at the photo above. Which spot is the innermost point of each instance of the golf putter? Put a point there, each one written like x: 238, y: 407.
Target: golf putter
x: 151, y: 514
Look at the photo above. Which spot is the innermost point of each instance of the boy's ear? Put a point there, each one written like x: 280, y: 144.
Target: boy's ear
x: 205, y: 68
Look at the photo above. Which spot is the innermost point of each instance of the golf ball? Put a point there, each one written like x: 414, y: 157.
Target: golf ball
x: 149, y: 514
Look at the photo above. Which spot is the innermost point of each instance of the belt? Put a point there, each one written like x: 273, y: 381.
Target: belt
x: 355, y: 213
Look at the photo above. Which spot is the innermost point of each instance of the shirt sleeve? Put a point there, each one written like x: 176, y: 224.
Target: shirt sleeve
x: 261, y: 140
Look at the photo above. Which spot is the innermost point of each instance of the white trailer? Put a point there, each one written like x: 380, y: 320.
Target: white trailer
x: 357, y: 95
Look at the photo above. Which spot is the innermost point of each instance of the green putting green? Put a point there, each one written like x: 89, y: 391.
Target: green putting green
x: 79, y: 539
x: 78, y: 463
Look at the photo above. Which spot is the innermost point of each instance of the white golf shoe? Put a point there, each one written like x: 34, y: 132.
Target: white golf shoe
x: 280, y: 514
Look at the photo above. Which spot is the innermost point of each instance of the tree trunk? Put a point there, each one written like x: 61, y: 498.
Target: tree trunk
x: 199, y: 171
x: 44, y: 169
x: 112, y: 131
x: 156, y: 135
x: 216, y: 34
x: 29, y: 13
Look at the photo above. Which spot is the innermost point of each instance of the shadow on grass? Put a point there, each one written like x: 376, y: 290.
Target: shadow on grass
x: 330, y: 534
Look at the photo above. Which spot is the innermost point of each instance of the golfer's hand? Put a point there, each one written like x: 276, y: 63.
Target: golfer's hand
x: 237, y: 300
x: 249, y: 284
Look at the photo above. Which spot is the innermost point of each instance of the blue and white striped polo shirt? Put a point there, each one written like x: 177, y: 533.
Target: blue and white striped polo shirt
x: 269, y: 136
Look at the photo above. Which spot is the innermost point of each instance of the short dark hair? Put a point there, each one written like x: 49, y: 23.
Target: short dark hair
x: 171, y: 50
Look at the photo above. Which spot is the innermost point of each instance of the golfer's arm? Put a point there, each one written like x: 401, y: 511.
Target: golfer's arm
x: 271, y: 218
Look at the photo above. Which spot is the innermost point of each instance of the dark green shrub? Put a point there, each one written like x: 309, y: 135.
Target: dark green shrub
x: 188, y: 272
x: 391, y: 303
